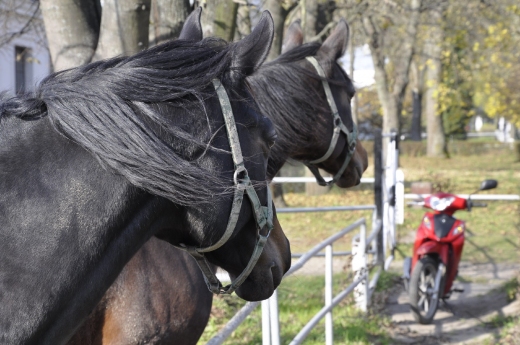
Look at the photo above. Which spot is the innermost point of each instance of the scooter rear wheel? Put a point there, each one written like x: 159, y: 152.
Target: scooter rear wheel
x: 423, y: 299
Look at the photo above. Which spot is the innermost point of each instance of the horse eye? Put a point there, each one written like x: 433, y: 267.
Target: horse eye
x: 272, y: 140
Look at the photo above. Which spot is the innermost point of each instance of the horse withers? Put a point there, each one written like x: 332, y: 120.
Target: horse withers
x: 102, y: 157
x: 147, y: 302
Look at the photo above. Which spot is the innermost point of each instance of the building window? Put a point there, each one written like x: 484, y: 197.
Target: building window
x: 20, y: 68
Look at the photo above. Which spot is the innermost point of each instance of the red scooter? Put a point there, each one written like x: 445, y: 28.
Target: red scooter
x: 430, y: 272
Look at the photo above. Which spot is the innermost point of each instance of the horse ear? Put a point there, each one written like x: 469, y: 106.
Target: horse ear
x: 336, y: 44
x: 252, y: 50
x: 293, y: 37
x: 192, y: 30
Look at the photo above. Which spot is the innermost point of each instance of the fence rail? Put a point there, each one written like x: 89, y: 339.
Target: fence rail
x: 490, y: 197
x: 312, y: 179
x: 325, y: 209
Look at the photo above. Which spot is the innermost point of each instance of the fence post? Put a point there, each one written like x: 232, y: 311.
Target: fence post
x: 274, y: 317
x: 389, y: 192
x: 359, y: 266
x: 399, y: 196
x: 266, y: 323
x: 378, y: 192
x: 329, y: 333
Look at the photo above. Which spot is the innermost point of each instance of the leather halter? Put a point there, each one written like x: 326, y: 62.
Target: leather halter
x: 339, y: 127
x: 263, y: 214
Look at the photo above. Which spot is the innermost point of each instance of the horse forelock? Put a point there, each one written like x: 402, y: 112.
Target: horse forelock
x: 108, y: 107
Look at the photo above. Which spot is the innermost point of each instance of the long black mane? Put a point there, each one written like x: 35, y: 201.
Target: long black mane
x: 114, y: 109
x: 282, y: 92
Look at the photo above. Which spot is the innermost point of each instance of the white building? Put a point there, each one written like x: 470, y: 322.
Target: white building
x: 363, y: 66
x: 24, y: 56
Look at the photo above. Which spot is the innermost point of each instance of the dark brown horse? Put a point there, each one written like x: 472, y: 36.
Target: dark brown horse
x: 100, y: 158
x: 146, y: 303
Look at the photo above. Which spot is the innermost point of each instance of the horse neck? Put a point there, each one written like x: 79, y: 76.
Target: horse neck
x: 68, y: 228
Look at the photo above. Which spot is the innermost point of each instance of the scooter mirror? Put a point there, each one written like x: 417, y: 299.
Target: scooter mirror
x: 488, y: 184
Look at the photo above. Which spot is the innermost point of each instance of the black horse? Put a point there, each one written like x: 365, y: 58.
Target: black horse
x: 102, y: 157
x: 148, y: 303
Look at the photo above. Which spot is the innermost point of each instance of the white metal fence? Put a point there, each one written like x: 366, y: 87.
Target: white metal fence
x: 374, y: 251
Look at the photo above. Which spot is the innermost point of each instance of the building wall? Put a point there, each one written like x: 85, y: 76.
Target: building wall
x: 38, y: 63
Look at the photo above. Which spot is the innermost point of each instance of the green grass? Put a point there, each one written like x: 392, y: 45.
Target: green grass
x: 300, y: 298
x: 509, y: 330
x: 512, y: 289
x: 506, y: 328
x: 493, y: 235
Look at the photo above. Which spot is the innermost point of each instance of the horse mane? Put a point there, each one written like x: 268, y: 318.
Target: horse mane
x: 281, y: 90
x: 113, y: 108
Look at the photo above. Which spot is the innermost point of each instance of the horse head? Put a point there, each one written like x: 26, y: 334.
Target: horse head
x: 318, y: 117
x: 232, y: 235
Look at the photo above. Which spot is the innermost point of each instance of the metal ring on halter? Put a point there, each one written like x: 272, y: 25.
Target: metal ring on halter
x: 239, y: 169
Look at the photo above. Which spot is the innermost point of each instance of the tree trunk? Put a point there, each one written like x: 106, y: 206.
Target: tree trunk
x: 309, y: 16
x: 352, y: 55
x: 219, y: 19
x: 72, y: 29
x: 416, y: 129
x: 124, y: 28
x: 243, y: 21
x: 166, y: 19
x: 436, y: 143
x: 392, y: 98
x: 279, y: 14
x: 375, y: 42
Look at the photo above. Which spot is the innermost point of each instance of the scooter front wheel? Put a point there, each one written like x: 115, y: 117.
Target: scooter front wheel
x: 424, y: 300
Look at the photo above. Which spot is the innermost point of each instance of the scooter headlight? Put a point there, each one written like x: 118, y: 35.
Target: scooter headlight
x: 459, y: 229
x: 440, y: 204
x: 427, y: 223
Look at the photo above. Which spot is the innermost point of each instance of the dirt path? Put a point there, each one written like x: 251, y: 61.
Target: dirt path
x: 465, y: 317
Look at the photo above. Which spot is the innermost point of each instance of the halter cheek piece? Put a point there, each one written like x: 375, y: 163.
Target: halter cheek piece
x: 263, y: 214
x: 339, y: 127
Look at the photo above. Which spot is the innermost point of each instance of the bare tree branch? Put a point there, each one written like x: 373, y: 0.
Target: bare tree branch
x: 8, y: 15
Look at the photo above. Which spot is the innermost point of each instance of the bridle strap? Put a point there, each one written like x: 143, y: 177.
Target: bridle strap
x: 213, y: 283
x: 339, y: 127
x: 263, y: 214
x: 229, y: 120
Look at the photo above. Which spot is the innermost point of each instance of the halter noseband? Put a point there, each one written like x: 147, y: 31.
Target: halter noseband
x: 339, y: 127
x: 263, y: 214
